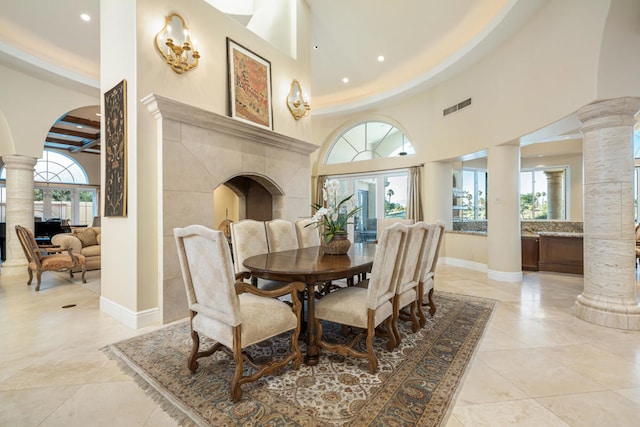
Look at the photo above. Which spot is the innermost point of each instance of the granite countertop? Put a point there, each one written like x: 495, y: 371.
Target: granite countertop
x: 476, y: 233
x: 560, y: 234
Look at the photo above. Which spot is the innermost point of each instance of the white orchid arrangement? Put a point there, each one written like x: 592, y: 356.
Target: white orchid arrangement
x: 335, y: 216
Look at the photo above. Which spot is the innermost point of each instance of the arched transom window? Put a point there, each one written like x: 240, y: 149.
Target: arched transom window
x: 368, y: 140
x: 54, y: 167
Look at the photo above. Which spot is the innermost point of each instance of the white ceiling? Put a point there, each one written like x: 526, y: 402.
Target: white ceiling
x: 423, y: 41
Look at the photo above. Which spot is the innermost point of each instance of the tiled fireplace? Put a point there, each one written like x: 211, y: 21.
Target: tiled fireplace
x: 202, y: 150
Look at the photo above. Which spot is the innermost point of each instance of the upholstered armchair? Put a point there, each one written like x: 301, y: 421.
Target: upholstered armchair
x: 408, y: 290
x: 47, y: 257
x: 436, y: 234
x: 366, y: 308
x: 236, y: 315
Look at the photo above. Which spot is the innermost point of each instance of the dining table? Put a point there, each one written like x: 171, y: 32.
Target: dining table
x: 312, y: 267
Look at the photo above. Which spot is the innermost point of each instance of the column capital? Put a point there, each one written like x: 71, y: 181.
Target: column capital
x: 609, y: 113
x: 19, y: 162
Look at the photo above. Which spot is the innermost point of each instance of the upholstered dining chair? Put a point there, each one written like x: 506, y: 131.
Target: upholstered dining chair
x: 366, y: 308
x: 386, y: 222
x: 308, y: 234
x: 249, y: 238
x: 236, y: 315
x: 407, y: 289
x: 42, y: 258
x: 436, y: 234
x: 281, y: 235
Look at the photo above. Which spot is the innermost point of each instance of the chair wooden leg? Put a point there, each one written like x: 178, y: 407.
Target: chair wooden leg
x: 421, y: 317
x: 30, y: 276
x: 431, y: 303
x: 71, y: 274
x: 192, y: 363
x: 371, y: 332
x: 39, y: 279
x: 393, y: 332
x: 415, y: 323
x: 84, y: 270
x: 236, y: 391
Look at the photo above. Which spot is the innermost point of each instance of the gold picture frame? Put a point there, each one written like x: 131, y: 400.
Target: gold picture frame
x: 115, y: 136
x: 249, y: 86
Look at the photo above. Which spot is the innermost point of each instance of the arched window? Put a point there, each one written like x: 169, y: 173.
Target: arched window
x: 368, y: 140
x: 56, y: 167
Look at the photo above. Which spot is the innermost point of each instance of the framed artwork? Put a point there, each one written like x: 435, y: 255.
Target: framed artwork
x: 115, y: 137
x: 249, y: 86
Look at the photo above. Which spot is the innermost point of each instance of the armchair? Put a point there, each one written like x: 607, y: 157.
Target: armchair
x: 436, y: 234
x: 235, y: 315
x: 366, y: 308
x: 47, y: 257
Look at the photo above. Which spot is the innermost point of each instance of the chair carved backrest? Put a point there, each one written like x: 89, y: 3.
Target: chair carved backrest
x: 385, y: 270
x: 207, y: 272
x: 308, y: 234
x: 281, y: 235
x: 248, y: 238
x: 29, y: 244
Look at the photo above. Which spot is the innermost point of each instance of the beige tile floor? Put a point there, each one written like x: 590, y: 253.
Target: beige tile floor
x: 537, y: 364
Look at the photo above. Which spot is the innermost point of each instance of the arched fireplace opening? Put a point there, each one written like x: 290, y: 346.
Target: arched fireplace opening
x: 247, y: 197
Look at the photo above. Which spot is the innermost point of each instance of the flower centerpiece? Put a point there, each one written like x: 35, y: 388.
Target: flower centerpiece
x: 334, y: 218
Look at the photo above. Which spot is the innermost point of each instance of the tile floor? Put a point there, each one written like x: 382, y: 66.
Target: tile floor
x: 537, y: 365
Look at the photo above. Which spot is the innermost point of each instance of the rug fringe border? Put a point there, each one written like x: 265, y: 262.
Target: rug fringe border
x: 154, y: 390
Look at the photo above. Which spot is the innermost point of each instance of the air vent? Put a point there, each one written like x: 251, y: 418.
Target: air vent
x: 456, y: 107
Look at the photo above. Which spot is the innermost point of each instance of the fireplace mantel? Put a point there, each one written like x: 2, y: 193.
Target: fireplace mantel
x: 166, y: 108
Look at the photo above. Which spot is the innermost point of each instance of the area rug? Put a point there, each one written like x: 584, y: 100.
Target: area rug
x: 414, y: 385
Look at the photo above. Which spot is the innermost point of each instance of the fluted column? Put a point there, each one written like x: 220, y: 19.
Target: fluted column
x: 554, y: 194
x: 19, y: 210
x: 609, y: 295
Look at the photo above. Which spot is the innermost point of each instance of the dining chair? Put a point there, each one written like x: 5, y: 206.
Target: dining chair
x: 281, y: 235
x: 365, y: 308
x: 236, y: 315
x: 308, y: 234
x: 249, y: 238
x: 42, y: 258
x: 436, y: 234
x: 386, y: 222
x: 407, y: 287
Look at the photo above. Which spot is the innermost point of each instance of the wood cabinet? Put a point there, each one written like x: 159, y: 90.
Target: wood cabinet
x: 561, y: 252
x: 530, y: 253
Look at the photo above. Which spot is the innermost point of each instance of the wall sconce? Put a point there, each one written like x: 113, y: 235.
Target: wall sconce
x: 298, y: 106
x: 174, y: 44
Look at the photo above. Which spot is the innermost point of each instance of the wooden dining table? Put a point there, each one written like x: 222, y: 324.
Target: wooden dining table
x: 312, y: 267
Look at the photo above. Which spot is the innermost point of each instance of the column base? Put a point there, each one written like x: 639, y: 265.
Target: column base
x: 12, y: 268
x: 505, y: 276
x: 615, y: 313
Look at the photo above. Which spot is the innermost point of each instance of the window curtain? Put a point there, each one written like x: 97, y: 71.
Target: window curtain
x: 414, y: 204
x: 319, y: 199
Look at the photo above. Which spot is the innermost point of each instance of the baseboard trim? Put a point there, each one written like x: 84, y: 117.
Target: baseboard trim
x: 134, y: 320
x: 470, y: 265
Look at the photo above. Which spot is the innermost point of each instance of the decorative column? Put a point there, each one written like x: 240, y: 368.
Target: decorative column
x: 554, y: 194
x: 609, y: 295
x: 503, y: 211
x: 19, y: 210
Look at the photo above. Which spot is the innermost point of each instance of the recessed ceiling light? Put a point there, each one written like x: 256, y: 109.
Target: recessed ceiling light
x: 380, y: 58
x: 79, y: 126
x: 345, y: 80
x: 85, y: 17
x: 98, y: 114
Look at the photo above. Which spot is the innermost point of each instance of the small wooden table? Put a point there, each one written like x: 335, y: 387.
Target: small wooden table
x: 311, y: 266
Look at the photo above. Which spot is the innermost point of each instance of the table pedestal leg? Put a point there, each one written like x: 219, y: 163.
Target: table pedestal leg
x: 311, y: 358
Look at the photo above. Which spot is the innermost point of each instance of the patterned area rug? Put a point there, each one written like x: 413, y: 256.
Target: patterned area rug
x: 414, y: 385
